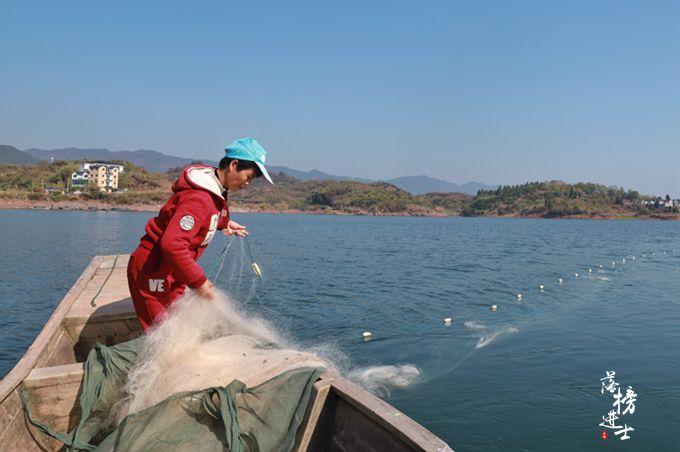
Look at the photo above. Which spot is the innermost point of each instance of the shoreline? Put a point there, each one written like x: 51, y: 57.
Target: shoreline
x: 98, y: 206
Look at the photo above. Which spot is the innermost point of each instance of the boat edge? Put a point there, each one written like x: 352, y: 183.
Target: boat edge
x: 28, y: 361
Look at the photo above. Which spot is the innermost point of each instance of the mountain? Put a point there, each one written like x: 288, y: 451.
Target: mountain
x: 314, y: 174
x: 418, y: 185
x: 149, y: 160
x: 155, y: 161
x: 158, y: 162
x: 11, y: 155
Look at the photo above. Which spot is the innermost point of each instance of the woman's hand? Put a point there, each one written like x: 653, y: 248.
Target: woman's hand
x: 206, y: 290
x: 233, y: 228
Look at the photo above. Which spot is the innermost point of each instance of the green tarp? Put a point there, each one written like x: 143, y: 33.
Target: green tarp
x: 232, y: 417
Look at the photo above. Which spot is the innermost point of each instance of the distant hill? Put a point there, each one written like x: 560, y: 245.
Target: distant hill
x: 418, y: 185
x: 149, y: 160
x: 48, y: 182
x: 9, y: 155
x: 344, y: 196
x: 158, y: 162
x: 314, y: 174
x: 447, y: 202
x: 556, y: 199
x: 43, y: 184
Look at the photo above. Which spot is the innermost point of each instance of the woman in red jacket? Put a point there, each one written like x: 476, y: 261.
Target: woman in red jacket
x: 164, y: 263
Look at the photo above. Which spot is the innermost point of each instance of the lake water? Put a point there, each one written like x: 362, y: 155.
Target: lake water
x: 526, y: 377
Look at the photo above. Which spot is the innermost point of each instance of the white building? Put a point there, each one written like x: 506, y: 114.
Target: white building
x: 101, y: 175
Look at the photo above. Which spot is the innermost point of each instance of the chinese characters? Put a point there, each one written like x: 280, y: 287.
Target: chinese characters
x: 622, y: 406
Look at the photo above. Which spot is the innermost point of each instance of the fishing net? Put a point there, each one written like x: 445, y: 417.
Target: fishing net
x: 207, y: 378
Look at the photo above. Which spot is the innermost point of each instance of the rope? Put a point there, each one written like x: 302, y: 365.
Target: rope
x: 219, y: 260
x: 92, y: 302
x: 250, y: 251
x: 222, y: 261
x: 256, y: 285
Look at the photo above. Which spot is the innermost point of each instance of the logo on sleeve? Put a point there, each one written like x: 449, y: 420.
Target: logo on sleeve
x: 187, y: 222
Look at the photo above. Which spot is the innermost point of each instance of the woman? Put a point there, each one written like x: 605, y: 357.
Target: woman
x: 164, y: 263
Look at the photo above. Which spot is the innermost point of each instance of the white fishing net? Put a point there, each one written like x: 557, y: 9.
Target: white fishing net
x: 204, y: 343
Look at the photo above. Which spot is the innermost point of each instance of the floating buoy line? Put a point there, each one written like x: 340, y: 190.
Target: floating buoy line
x: 447, y: 321
x: 368, y: 335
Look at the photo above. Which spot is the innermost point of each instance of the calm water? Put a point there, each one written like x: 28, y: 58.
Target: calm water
x: 534, y: 386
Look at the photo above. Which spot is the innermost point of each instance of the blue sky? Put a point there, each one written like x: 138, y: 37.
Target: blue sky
x: 493, y: 91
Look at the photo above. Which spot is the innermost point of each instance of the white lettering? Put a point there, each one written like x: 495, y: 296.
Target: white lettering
x: 156, y: 285
x: 214, y: 220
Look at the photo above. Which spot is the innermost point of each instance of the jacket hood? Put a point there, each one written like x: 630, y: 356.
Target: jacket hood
x: 199, y: 177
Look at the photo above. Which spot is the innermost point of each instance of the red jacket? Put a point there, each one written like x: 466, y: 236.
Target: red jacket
x: 185, y: 225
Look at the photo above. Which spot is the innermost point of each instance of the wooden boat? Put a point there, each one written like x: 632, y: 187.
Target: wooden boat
x: 340, y: 417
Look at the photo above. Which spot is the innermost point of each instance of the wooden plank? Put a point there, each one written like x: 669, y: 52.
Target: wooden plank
x: 313, y: 419
x: 58, y: 351
x: 353, y: 430
x: 121, y: 312
x: 53, y: 394
x: 55, y: 375
x: 109, y: 333
x: 15, y: 434
x: 121, y: 261
x: 27, y: 362
x: 108, y: 286
x: 8, y: 411
x: 388, y: 418
x: 118, y: 309
x: 55, y: 405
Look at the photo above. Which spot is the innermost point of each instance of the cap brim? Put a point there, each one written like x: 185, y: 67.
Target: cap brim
x: 264, y: 172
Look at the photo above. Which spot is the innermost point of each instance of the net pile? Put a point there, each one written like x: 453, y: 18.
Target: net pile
x: 206, y: 378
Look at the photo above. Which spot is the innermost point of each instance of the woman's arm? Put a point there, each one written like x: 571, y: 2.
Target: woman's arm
x: 192, y: 211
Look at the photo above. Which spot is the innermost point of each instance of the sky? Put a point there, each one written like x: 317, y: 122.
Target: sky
x: 500, y: 92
